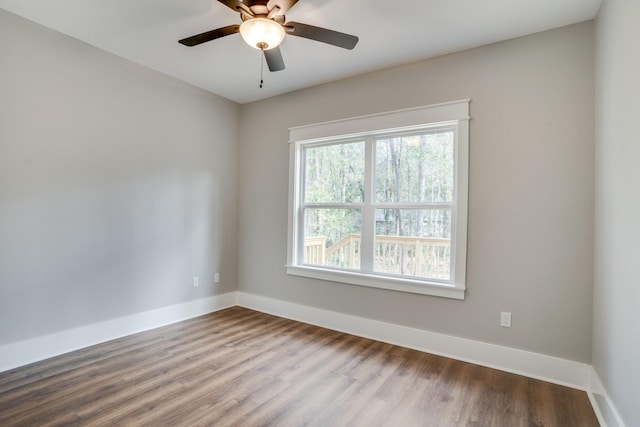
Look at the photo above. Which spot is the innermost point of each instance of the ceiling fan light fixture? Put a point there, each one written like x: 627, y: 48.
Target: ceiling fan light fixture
x: 262, y: 33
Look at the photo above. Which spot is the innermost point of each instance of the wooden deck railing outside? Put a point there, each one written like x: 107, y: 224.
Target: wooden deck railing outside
x: 406, y: 255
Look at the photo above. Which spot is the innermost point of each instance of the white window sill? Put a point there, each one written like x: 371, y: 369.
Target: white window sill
x: 381, y: 282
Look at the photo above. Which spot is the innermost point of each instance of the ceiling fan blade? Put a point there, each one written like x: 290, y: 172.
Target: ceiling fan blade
x: 345, y: 41
x: 210, y: 35
x: 283, y: 5
x: 274, y: 59
x: 237, y: 6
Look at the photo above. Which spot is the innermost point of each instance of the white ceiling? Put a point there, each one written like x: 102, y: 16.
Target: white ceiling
x: 391, y: 33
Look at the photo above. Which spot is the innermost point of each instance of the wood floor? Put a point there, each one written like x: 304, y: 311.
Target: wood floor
x: 238, y: 367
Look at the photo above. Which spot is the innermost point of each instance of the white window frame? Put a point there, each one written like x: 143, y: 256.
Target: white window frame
x: 450, y: 115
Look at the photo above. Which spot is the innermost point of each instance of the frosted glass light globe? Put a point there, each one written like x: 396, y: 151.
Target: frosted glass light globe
x: 262, y: 33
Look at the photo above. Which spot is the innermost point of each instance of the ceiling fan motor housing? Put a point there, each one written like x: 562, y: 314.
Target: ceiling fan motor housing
x: 260, y: 9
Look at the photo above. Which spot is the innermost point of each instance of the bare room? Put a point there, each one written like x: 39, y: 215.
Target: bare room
x: 319, y: 212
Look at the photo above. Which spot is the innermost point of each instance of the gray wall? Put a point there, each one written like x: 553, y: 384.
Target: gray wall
x: 616, y: 330
x: 531, y: 194
x: 117, y: 185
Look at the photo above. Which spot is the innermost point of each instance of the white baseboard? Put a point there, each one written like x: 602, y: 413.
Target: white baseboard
x: 40, y: 348
x: 534, y: 365
x: 605, y: 410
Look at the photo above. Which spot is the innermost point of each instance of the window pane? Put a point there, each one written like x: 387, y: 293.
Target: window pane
x: 332, y: 237
x: 415, y: 168
x: 413, y: 242
x: 335, y: 173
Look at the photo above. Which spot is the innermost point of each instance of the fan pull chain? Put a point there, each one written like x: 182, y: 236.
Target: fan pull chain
x: 261, y: 67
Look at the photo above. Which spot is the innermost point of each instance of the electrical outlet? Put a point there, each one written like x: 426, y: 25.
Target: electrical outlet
x: 196, y: 281
x: 505, y: 319
x: 216, y: 278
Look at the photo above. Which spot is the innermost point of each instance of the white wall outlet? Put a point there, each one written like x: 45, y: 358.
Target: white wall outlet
x: 505, y: 319
x: 216, y: 278
x: 196, y: 281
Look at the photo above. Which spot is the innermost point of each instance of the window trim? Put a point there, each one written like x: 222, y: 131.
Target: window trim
x: 454, y: 114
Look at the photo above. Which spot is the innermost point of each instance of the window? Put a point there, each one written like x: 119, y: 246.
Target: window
x: 381, y: 200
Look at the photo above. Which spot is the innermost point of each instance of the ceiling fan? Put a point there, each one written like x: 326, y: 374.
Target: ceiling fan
x: 263, y: 27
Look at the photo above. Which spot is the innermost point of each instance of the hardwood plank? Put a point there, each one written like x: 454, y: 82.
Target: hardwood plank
x: 241, y: 367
